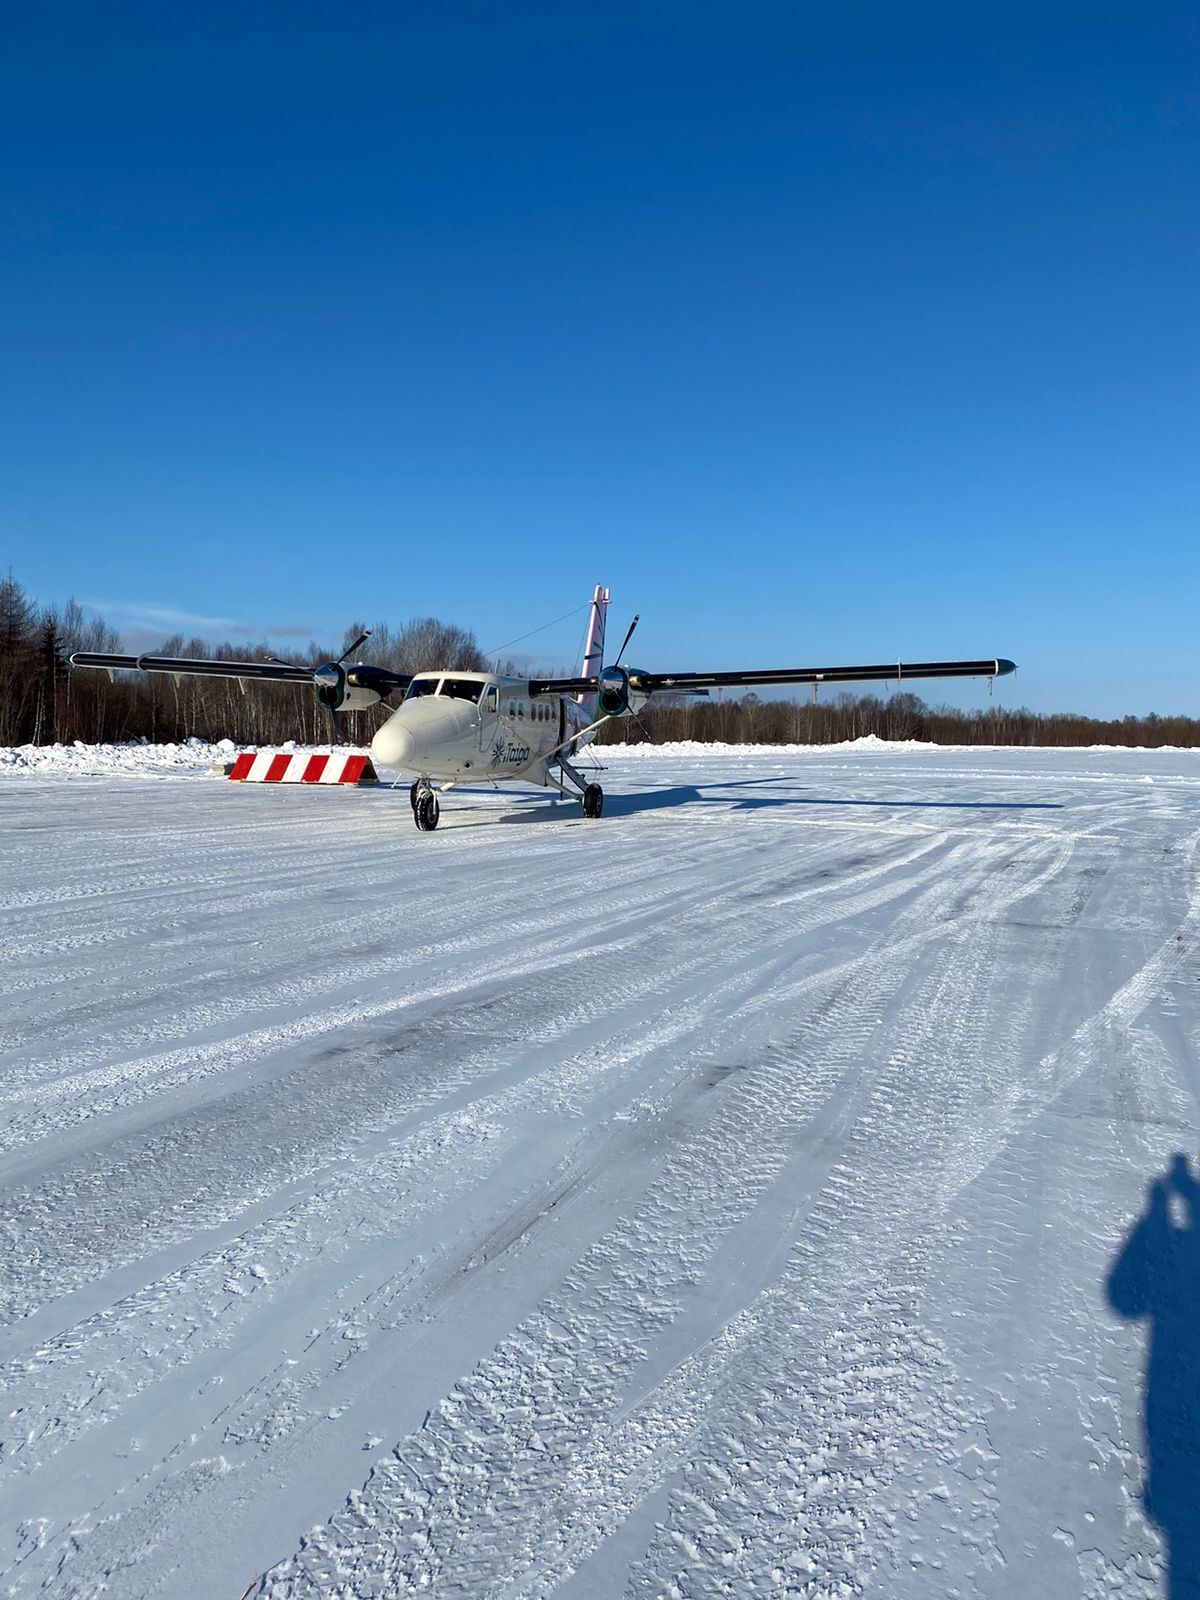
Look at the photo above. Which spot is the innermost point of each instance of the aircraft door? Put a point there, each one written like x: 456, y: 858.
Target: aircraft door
x: 489, y: 717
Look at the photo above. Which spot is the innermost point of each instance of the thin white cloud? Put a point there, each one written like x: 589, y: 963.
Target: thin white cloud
x: 299, y: 630
x: 531, y: 663
x: 135, y: 617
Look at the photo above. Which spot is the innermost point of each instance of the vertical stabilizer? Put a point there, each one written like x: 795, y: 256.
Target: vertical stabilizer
x: 593, y: 650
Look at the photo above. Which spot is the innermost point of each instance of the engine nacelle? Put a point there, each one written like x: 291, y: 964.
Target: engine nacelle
x: 614, y: 696
x: 335, y: 694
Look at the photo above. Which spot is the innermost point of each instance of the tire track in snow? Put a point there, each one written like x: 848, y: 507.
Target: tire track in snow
x: 589, y: 1008
x: 867, y: 1422
x: 459, y: 931
x: 937, y: 893
x: 523, y: 1421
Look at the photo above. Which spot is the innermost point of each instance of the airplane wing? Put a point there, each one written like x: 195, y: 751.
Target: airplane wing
x: 653, y: 682
x: 272, y: 671
x: 378, y: 680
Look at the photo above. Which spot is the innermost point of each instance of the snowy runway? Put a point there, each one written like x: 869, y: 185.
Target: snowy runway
x: 715, y: 1199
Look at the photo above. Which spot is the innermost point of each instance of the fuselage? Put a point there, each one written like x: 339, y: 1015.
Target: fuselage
x: 453, y: 727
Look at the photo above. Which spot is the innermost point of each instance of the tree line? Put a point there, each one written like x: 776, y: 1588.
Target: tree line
x: 839, y: 717
x: 42, y: 701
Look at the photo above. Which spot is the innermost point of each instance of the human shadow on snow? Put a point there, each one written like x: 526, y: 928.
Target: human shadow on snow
x: 1156, y: 1276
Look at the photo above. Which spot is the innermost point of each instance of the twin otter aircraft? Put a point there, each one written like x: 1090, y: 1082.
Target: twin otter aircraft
x: 459, y: 727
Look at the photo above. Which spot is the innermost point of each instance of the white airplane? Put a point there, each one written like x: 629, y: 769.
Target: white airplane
x: 460, y: 727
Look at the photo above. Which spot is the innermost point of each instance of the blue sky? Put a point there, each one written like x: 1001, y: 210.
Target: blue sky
x: 821, y: 333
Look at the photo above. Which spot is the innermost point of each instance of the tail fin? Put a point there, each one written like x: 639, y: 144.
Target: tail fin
x: 593, y: 650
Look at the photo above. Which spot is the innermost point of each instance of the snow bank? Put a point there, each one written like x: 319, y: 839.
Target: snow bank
x: 870, y: 742
x: 141, y: 759
x: 136, y: 759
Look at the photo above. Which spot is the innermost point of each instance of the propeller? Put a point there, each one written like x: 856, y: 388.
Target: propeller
x: 330, y: 680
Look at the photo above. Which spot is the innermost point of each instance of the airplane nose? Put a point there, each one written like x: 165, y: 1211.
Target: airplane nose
x: 423, y: 736
x: 394, y: 747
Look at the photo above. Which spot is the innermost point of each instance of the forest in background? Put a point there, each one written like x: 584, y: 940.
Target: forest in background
x: 42, y: 701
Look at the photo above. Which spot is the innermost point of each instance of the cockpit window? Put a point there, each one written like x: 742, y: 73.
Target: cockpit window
x: 449, y: 688
x: 461, y: 689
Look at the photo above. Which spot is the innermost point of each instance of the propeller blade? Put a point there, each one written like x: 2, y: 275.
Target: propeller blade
x: 335, y: 733
x: 349, y: 651
x: 626, y: 640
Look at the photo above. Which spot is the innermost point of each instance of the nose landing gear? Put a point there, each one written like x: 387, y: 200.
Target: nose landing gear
x: 425, y: 806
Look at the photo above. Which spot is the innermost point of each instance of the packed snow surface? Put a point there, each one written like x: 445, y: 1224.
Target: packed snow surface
x: 779, y: 1186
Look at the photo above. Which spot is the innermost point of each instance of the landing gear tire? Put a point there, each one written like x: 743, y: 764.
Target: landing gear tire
x: 593, y: 800
x: 425, y: 812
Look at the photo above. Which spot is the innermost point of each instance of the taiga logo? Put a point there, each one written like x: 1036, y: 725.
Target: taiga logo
x: 507, y: 755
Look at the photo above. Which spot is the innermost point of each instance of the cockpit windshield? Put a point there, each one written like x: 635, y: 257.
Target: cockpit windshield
x: 449, y: 688
x: 461, y: 689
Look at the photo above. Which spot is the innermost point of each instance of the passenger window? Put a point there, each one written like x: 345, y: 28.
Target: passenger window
x: 491, y: 700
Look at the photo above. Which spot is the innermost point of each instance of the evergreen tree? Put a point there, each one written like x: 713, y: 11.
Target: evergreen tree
x: 17, y: 650
x: 49, y: 670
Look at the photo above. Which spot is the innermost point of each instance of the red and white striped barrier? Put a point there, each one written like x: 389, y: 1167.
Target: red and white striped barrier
x: 280, y: 766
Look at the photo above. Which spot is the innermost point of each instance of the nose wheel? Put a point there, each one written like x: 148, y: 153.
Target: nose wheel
x: 425, y: 806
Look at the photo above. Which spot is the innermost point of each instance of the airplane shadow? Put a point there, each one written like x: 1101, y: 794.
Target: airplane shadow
x: 684, y: 794
x: 1156, y: 1276
x: 531, y: 805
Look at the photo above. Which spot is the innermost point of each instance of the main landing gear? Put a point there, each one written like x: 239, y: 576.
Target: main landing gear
x: 426, y: 810
x: 425, y: 806
x: 591, y: 794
